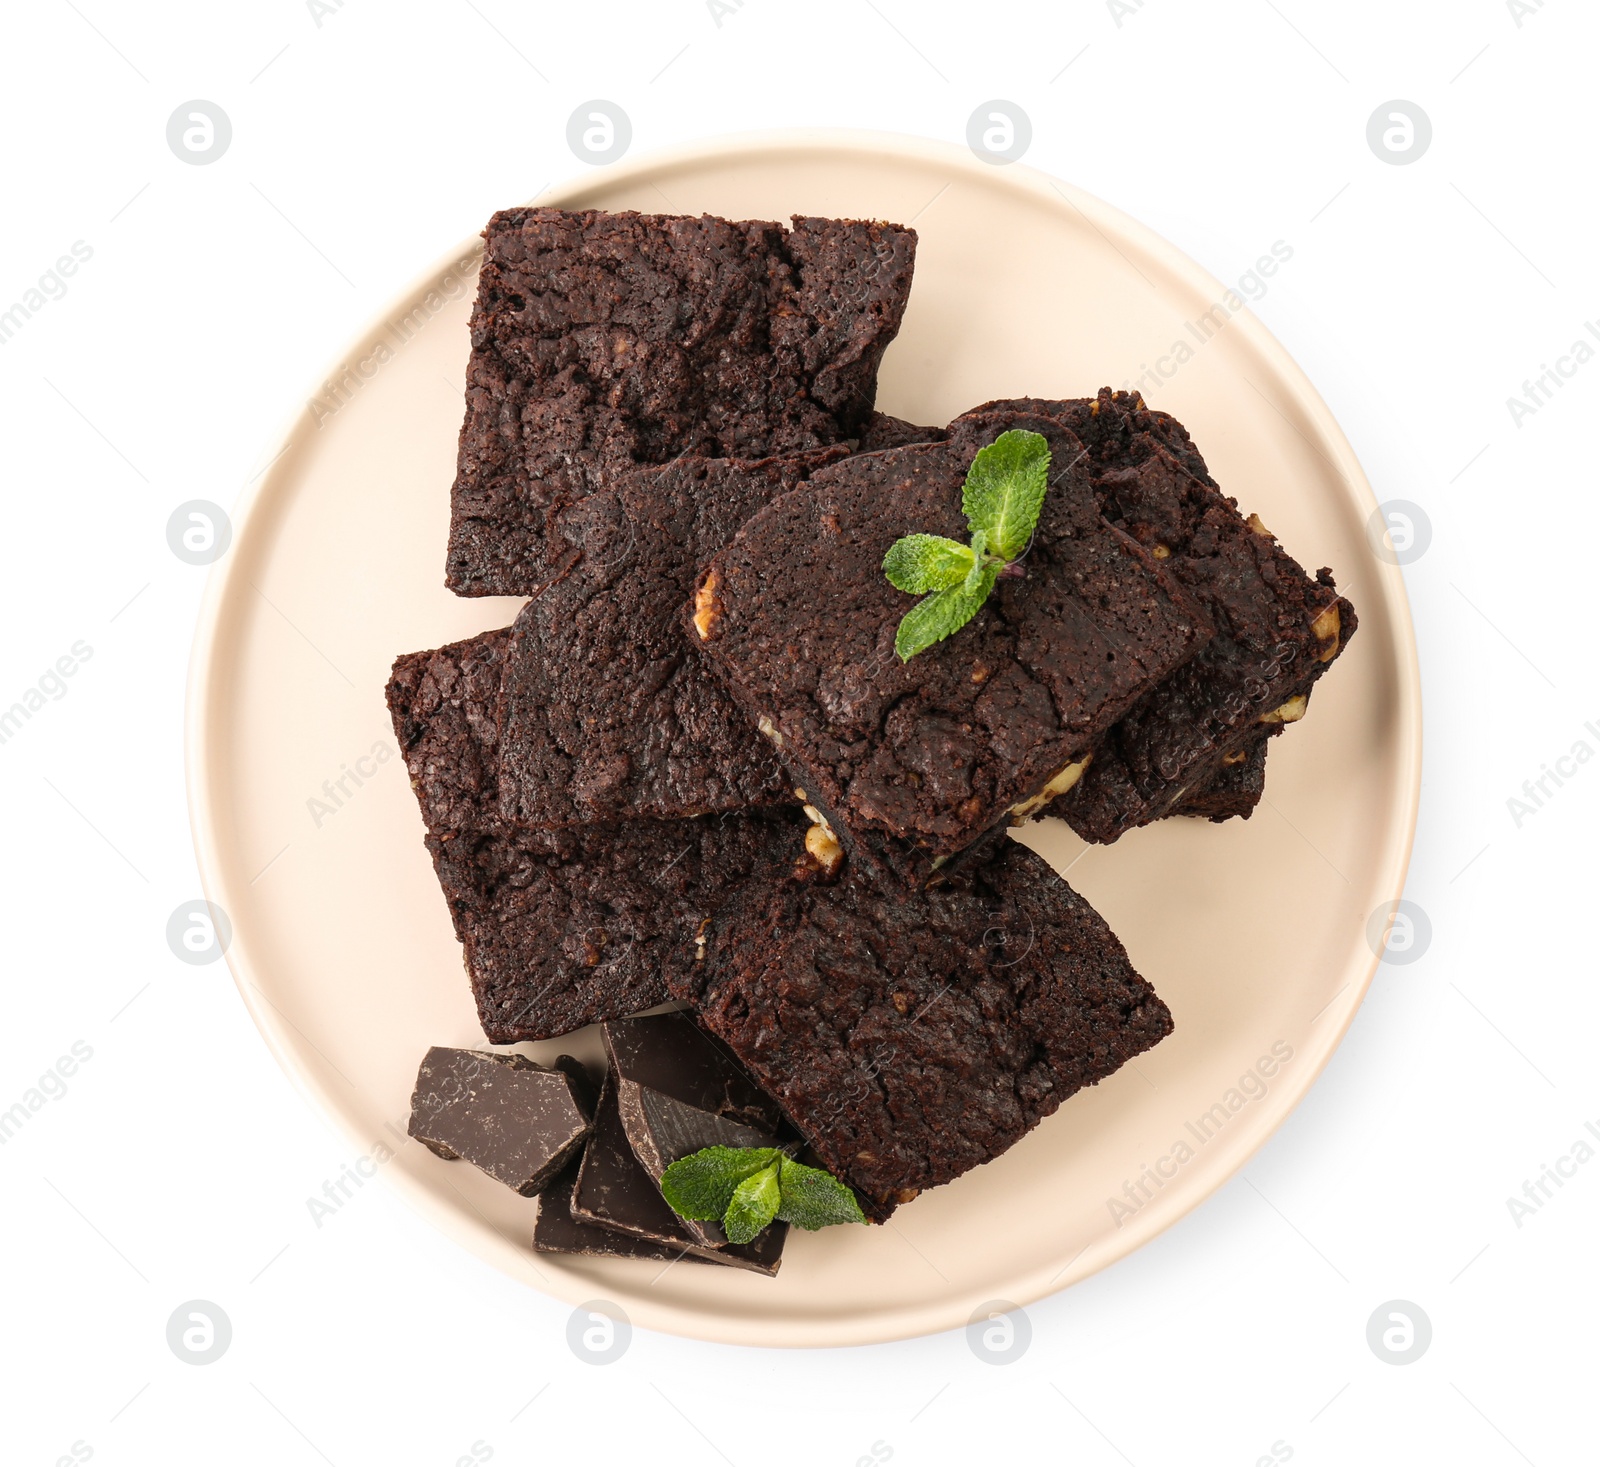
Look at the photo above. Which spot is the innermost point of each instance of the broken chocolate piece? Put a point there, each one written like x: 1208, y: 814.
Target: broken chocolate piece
x: 673, y: 1055
x: 679, y: 1091
x: 556, y: 1230
x: 614, y: 1190
x: 518, y: 1121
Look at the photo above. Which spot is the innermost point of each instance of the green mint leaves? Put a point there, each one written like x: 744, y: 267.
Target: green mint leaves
x: 746, y: 1187
x: 1004, y: 491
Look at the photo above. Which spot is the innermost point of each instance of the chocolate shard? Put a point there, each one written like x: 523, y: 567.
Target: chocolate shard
x: 674, y: 1056
x: 556, y: 1230
x: 663, y: 1130
x: 518, y: 1121
x: 614, y: 1190
x: 679, y: 1091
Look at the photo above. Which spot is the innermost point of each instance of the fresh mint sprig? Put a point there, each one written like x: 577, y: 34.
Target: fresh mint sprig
x: 746, y: 1187
x: 1002, y: 496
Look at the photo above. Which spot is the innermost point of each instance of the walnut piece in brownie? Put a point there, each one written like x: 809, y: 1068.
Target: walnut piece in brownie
x: 912, y: 1037
x: 602, y: 340
x: 1277, y: 628
x: 799, y: 621
x: 605, y: 709
x: 561, y: 928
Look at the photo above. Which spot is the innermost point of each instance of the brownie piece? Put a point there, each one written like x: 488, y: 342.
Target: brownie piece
x: 912, y: 1037
x: 883, y: 431
x: 604, y: 340
x: 799, y: 621
x: 614, y: 1190
x: 518, y: 1121
x: 565, y: 927
x: 1277, y: 628
x: 556, y: 1230
x: 1233, y: 792
x: 605, y: 710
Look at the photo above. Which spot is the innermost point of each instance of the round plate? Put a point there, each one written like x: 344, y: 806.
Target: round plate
x: 1254, y: 932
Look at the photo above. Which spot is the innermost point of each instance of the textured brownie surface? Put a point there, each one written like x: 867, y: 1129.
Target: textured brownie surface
x: 1270, y: 646
x: 1233, y: 792
x: 603, y: 340
x: 883, y: 431
x: 911, y: 1038
x: 935, y: 751
x: 606, y: 710
x: 561, y: 928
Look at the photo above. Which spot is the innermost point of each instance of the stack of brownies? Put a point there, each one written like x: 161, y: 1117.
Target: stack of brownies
x: 694, y: 768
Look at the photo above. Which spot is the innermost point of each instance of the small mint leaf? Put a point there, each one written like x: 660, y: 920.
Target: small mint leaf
x: 918, y: 563
x: 940, y: 615
x: 974, y: 577
x: 813, y: 1199
x: 1005, y: 487
x: 753, y: 1205
x: 701, y: 1185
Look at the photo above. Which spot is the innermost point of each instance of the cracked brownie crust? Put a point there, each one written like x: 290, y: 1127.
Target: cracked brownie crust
x: 799, y: 622
x: 602, y: 340
x: 606, y: 710
x: 561, y: 928
x: 1277, y: 628
x: 910, y: 1039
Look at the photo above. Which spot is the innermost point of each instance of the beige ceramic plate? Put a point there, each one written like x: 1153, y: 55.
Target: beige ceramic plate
x: 1253, y: 932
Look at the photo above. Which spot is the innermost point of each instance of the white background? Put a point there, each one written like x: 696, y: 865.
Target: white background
x: 178, y: 1163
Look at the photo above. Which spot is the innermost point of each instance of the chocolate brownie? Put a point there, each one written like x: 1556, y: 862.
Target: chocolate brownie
x: 605, y: 709
x: 561, y: 928
x: 799, y: 621
x: 912, y: 1037
x: 1277, y: 628
x: 883, y: 431
x: 1233, y: 792
x: 603, y: 340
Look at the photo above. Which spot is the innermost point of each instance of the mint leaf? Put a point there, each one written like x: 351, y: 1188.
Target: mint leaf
x: 812, y: 1199
x: 919, y: 563
x: 944, y: 613
x: 753, y: 1205
x: 1005, y: 487
x: 1002, y: 496
x: 745, y: 1187
x: 702, y: 1184
x: 980, y: 563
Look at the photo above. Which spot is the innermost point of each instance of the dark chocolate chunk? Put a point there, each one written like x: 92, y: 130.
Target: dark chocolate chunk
x: 556, y: 1230
x: 799, y: 621
x: 516, y: 1120
x: 679, y: 1091
x: 673, y: 1055
x: 616, y: 1191
x: 604, y: 340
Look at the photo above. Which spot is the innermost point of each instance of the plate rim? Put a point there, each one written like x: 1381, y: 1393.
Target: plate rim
x: 204, y: 690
